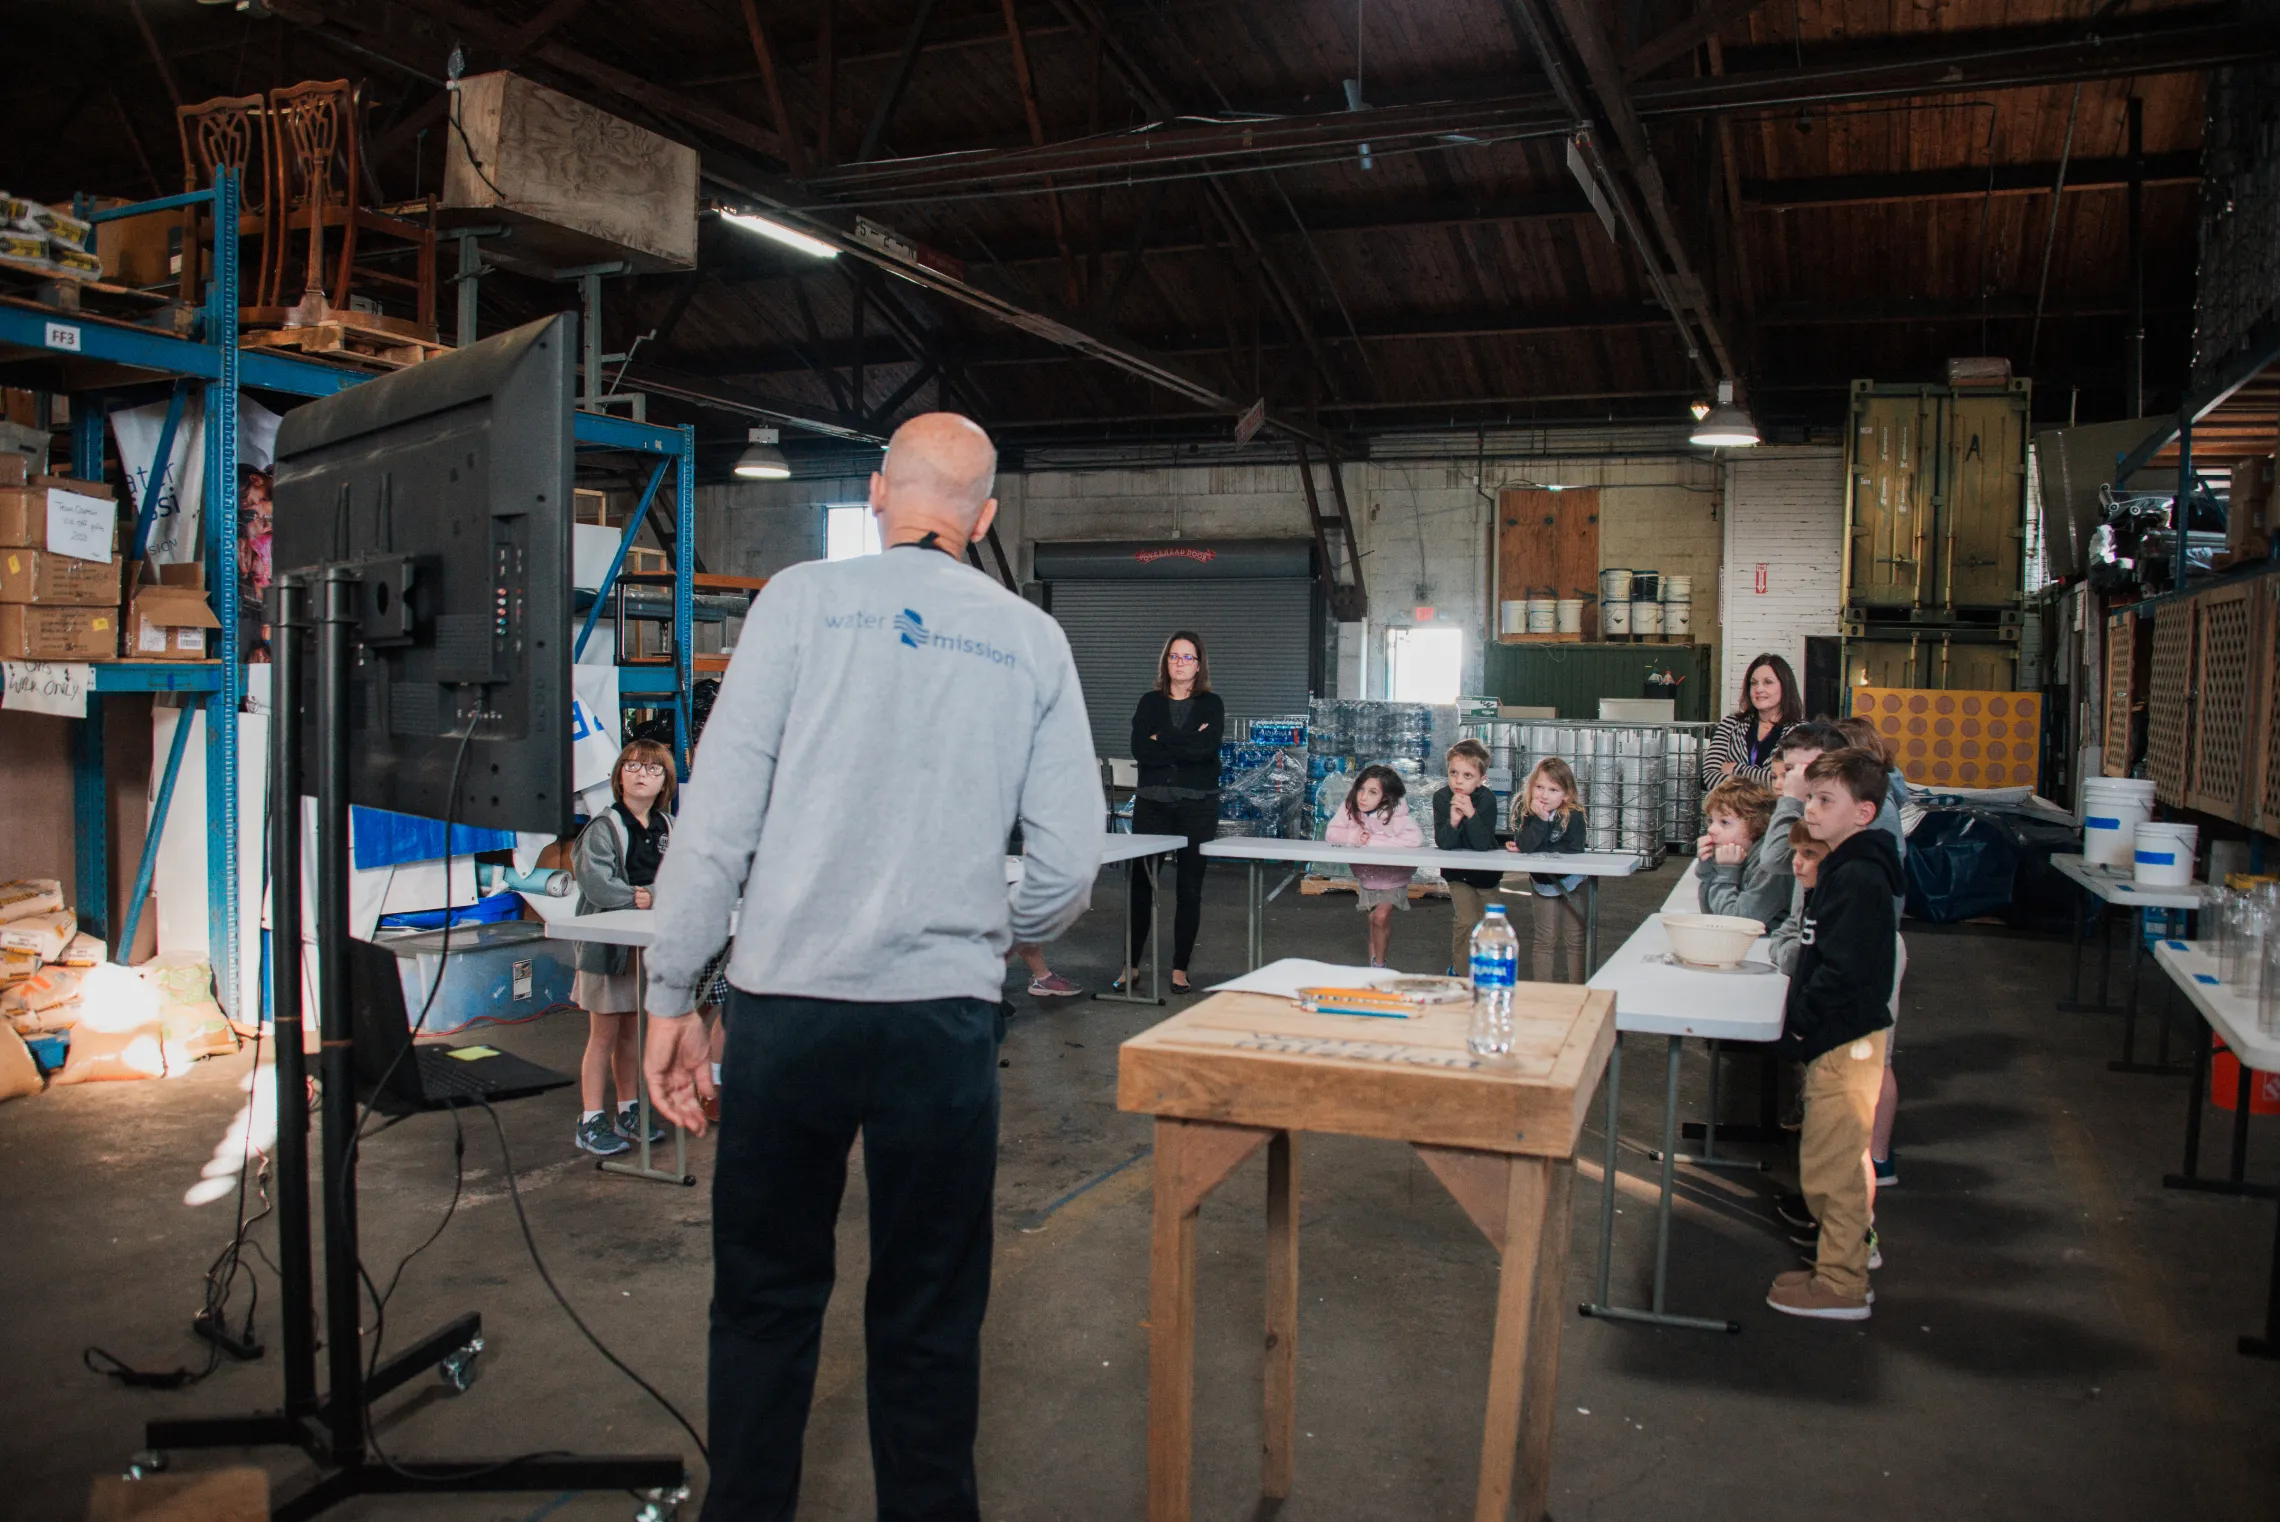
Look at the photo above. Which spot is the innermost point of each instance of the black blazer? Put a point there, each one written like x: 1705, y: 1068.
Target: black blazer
x: 1184, y: 757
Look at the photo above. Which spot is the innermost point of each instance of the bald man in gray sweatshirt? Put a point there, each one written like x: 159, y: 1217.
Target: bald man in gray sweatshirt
x: 884, y: 724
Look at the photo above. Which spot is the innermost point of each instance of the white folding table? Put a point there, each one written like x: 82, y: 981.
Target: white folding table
x: 635, y: 929
x: 2110, y: 887
x: 2233, y: 1016
x: 1149, y: 851
x: 1257, y: 853
x: 1653, y: 996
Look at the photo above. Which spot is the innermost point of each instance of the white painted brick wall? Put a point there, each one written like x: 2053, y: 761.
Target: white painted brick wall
x: 1784, y: 520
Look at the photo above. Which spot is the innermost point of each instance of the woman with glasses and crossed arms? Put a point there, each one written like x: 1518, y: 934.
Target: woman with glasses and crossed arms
x: 615, y: 862
x: 1176, y: 735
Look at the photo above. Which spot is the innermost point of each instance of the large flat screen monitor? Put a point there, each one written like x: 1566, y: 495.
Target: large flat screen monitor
x: 448, y: 485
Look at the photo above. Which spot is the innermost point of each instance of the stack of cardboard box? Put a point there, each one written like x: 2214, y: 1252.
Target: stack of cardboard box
x: 58, y: 601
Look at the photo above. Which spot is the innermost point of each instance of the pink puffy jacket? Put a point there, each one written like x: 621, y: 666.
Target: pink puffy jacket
x: 1398, y: 833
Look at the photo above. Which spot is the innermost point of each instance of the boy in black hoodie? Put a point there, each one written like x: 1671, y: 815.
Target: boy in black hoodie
x: 1836, y: 1022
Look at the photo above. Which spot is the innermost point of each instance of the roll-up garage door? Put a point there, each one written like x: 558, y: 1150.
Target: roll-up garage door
x: 1261, y: 632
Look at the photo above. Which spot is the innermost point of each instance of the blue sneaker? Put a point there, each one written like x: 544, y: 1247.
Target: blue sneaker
x: 599, y: 1137
x: 629, y: 1125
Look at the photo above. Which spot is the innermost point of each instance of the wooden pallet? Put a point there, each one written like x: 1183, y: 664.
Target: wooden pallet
x: 65, y: 291
x: 1314, y: 887
x: 1540, y: 639
x: 338, y: 340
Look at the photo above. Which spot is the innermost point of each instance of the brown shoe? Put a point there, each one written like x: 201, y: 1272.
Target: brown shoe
x: 1800, y: 1292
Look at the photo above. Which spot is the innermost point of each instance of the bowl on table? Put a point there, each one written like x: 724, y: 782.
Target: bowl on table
x: 1711, y: 940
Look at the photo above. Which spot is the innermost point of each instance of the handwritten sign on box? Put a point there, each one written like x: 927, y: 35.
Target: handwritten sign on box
x: 79, y: 525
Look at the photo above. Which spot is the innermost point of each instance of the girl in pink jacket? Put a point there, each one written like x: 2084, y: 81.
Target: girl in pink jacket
x: 1374, y: 816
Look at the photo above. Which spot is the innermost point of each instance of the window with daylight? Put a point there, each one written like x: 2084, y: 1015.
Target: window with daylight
x: 1424, y: 665
x: 850, y: 532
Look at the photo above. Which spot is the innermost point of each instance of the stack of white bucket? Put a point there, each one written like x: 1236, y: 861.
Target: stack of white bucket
x: 2112, y: 810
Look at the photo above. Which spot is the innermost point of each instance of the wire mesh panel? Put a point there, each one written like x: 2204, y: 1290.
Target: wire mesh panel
x: 2217, y: 760
x: 2167, y: 701
x: 2121, y: 660
x: 2268, y: 763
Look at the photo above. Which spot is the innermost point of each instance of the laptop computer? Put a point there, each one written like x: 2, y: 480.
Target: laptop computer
x: 401, y: 1076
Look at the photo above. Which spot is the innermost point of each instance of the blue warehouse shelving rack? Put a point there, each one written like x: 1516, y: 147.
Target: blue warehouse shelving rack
x: 104, y: 360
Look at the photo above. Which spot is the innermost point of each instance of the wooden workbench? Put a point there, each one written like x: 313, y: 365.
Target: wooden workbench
x: 1240, y: 1071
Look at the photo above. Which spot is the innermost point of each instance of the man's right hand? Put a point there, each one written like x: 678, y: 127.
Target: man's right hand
x: 677, y: 1065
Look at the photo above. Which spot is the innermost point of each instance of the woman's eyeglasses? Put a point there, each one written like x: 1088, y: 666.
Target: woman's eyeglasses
x: 1181, y: 660
x: 644, y: 769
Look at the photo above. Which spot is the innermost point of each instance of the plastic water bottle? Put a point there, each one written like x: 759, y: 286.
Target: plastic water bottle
x: 1495, y: 969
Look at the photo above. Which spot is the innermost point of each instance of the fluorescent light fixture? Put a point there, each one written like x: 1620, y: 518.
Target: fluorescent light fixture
x: 762, y: 460
x: 1727, y: 425
x: 790, y: 237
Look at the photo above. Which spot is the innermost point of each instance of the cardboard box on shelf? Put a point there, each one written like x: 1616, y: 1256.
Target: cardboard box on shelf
x: 24, y: 508
x: 29, y: 633
x: 15, y: 469
x: 41, y: 576
x: 168, y: 622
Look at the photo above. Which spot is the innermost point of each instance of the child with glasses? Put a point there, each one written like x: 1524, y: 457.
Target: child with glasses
x: 615, y: 862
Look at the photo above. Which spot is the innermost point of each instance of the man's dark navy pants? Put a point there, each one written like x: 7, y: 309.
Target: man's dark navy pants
x: 801, y: 1078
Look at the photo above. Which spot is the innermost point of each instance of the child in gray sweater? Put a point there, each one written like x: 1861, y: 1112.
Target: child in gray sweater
x: 1739, y: 876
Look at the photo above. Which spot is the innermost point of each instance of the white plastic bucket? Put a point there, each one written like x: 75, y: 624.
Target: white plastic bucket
x: 2110, y: 817
x: 1678, y: 589
x: 1542, y: 615
x: 1615, y: 586
x: 1615, y: 615
x: 1646, y: 617
x: 1678, y: 617
x: 1568, y: 615
x: 1646, y: 586
x: 2163, y: 854
x: 1515, y: 617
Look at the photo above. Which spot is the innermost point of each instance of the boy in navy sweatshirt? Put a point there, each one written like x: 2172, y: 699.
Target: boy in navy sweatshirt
x: 1836, y: 1021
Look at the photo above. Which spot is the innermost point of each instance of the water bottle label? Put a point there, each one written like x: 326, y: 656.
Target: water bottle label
x: 1492, y: 971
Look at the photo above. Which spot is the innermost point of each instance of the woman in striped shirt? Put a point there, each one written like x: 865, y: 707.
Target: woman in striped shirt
x: 1745, y: 743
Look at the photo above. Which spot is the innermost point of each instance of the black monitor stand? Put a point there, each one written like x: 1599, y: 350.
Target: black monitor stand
x: 332, y: 1428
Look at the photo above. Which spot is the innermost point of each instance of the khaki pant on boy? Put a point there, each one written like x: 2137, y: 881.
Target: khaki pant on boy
x: 1840, y: 1110
x: 1469, y: 904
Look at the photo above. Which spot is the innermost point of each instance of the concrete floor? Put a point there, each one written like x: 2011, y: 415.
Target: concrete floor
x: 2053, y: 1328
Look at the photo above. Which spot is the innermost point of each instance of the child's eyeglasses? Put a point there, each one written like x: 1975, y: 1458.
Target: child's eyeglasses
x: 644, y: 769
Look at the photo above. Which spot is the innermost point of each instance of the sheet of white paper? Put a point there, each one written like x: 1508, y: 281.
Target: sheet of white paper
x: 79, y: 525
x: 57, y: 687
x: 1285, y: 978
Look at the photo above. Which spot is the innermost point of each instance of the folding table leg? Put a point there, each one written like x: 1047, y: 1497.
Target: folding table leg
x: 1656, y: 1316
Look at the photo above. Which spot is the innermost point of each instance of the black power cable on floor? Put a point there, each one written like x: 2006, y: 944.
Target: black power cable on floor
x: 514, y: 1192
x: 221, y: 1275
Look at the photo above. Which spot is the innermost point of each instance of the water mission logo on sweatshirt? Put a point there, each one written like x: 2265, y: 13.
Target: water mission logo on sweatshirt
x: 910, y: 628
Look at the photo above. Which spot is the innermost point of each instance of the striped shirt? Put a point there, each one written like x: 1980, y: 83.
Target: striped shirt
x: 1731, y: 745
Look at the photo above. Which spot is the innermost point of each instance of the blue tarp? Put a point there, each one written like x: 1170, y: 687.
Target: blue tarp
x: 379, y: 838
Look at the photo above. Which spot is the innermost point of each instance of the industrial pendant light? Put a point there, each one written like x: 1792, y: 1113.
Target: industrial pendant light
x: 762, y: 460
x: 1726, y: 425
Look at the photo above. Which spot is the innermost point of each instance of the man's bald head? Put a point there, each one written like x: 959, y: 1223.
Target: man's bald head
x: 938, y: 474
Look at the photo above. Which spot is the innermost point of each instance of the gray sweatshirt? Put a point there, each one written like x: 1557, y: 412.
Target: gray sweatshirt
x: 884, y: 724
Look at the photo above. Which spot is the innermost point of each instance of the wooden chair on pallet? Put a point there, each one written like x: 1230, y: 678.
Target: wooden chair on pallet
x: 315, y: 186
x: 217, y: 134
